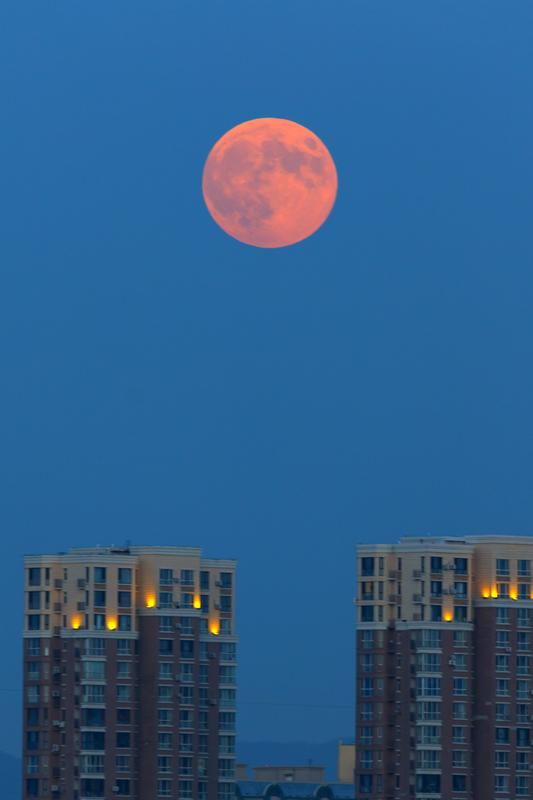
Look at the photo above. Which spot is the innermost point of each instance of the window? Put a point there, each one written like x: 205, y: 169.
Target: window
x: 522, y: 737
x: 461, y: 566
x: 94, y: 647
x: 164, y: 741
x: 523, y: 641
x: 124, y: 599
x: 501, y: 759
x: 34, y: 601
x: 166, y: 577
x: 429, y: 662
x: 185, y: 765
x: 429, y: 711
x: 460, y: 613
x: 186, y: 719
x: 124, y: 576
x: 124, y: 647
x: 459, y: 638
x: 164, y: 764
x: 524, y: 591
x: 123, y: 739
x: 165, y: 600
x: 226, y: 721
x: 164, y: 788
x: 93, y: 694
x: 460, y: 662
x: 164, y: 694
x: 92, y: 740
x: 523, y: 617
x: 225, y: 603
x: 99, y: 622
x: 367, y: 687
x: 100, y: 574
x: 522, y: 761
x: 164, y: 716
x: 123, y: 716
x: 458, y: 734
x: 522, y: 665
x: 123, y: 669
x: 459, y: 783
x: 502, y: 589
x: 34, y: 576
x: 522, y: 786
x: 502, y: 567
x: 165, y: 624
x: 165, y: 647
x: 367, y: 567
x: 524, y: 568
x: 501, y: 783
x: 123, y: 692
x: 34, y: 647
x: 34, y: 622
x: 435, y: 588
x: 93, y: 717
x: 165, y: 670
x: 93, y: 670
x: 522, y: 689
x: 502, y: 735
x: 502, y: 712
x: 436, y: 564
x: 367, y: 613
x: 502, y: 639
x: 436, y: 613
x: 459, y: 759
x: 459, y: 710
x: 204, y: 580
x: 502, y: 687
x: 124, y: 622
x: 429, y: 639
x: 460, y: 589
x: 186, y: 695
x: 502, y: 663
x: 428, y: 687
x: 460, y: 686
x: 99, y: 598
x: 365, y: 784
x: 186, y: 648
x: 187, y: 577
x: 502, y: 616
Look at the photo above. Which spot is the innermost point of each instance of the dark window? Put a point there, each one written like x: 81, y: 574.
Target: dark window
x: 186, y: 648
x: 522, y: 737
x: 34, y: 622
x: 460, y: 613
x: 459, y: 783
x: 32, y: 716
x: 123, y: 787
x: 367, y: 567
x: 365, y: 784
x: 124, y: 599
x: 204, y: 580
x: 99, y: 599
x: 165, y: 576
x: 123, y: 739
x: 436, y: 614
x: 92, y: 740
x: 204, y: 600
x: 124, y: 622
x: 187, y: 577
x: 123, y: 716
x: 367, y: 613
x: 436, y: 588
x: 436, y: 564
x: 165, y: 647
x: 502, y: 735
x: 92, y: 787
x: 34, y: 601
x: 461, y: 566
x: 428, y: 783
x: 32, y: 787
x: 32, y: 740
x: 99, y: 574
x: 34, y: 576
x: 93, y: 717
x: 225, y: 602
x: 226, y: 580
x: 124, y: 576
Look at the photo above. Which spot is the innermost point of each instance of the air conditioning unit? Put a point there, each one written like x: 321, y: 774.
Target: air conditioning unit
x: 451, y: 661
x: 57, y: 723
x: 58, y: 583
x: 81, y: 583
x: 449, y: 565
x: 175, y: 580
x: 178, y: 626
x: 417, y: 598
x: 116, y: 788
x: 55, y: 748
x: 218, y: 583
x: 56, y: 671
x: 212, y: 702
x: 54, y: 787
x: 176, y: 605
x: 508, y: 649
x: 56, y: 693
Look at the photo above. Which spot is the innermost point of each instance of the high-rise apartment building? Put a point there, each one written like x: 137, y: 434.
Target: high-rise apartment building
x: 129, y: 675
x: 444, y: 686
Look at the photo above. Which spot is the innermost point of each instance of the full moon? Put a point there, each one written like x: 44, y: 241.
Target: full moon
x: 269, y: 182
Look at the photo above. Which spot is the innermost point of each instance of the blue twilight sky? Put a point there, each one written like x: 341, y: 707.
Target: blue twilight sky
x: 163, y: 383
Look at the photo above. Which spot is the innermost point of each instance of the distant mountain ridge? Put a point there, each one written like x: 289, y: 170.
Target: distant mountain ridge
x: 10, y: 773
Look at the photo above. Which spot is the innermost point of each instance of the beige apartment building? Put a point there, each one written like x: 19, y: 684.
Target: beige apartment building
x: 129, y: 675
x: 444, y: 687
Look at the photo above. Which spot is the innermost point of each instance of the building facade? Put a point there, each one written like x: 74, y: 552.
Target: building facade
x: 444, y: 689
x: 129, y: 675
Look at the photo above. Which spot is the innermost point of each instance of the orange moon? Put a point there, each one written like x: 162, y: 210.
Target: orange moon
x: 269, y: 182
